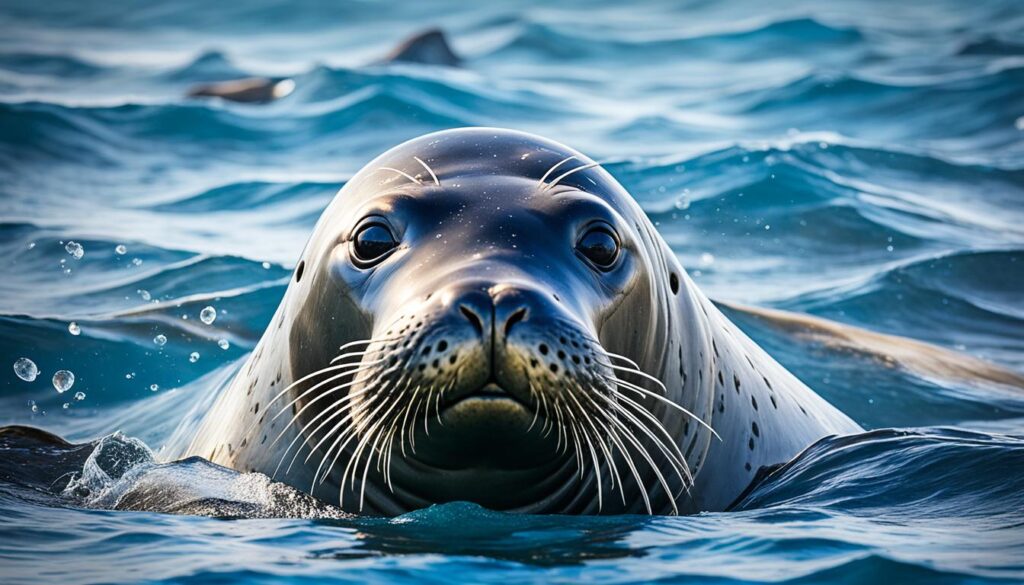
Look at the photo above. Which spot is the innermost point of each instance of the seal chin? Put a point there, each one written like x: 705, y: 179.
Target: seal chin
x: 490, y: 401
x: 488, y: 428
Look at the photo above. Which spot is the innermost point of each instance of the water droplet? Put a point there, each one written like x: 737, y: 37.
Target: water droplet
x: 266, y: 266
x: 121, y: 250
x: 153, y: 387
x: 137, y: 261
x: 144, y: 294
x: 26, y: 369
x: 74, y: 329
x: 79, y: 396
x: 75, y: 249
x: 208, y: 315
x: 63, y: 380
x: 160, y: 339
x: 223, y: 344
x: 193, y: 357
x: 437, y: 236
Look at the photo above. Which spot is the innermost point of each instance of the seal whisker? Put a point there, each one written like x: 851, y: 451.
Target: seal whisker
x: 296, y: 416
x: 256, y: 422
x: 570, y: 172
x: 631, y: 439
x: 628, y: 435
x: 379, y: 434
x: 589, y: 421
x: 363, y: 443
x: 553, y: 168
x: 678, y: 456
x: 536, y: 410
x: 429, y: 170
x: 350, y: 433
x: 678, y: 465
x: 365, y: 438
x: 403, y: 173
x: 646, y: 392
x: 339, y: 404
x: 611, y: 436
x: 346, y: 404
x: 405, y: 418
x: 593, y: 456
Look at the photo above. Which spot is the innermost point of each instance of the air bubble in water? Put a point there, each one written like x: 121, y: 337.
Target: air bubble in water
x: 193, y: 357
x: 35, y: 407
x: 707, y: 259
x: 137, y: 261
x: 75, y: 249
x: 208, y: 315
x: 26, y: 369
x: 79, y: 396
x: 223, y: 344
x: 121, y: 250
x: 153, y: 387
x: 144, y: 294
x: 67, y: 405
x: 63, y: 380
x: 160, y: 339
x: 74, y: 329
x: 266, y: 266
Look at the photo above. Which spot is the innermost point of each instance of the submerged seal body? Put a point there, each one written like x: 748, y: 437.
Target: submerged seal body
x: 487, y: 315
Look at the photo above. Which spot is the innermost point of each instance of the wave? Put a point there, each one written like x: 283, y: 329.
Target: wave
x: 941, y: 471
x: 553, y: 41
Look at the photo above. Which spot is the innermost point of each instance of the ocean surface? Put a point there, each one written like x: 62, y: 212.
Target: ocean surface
x: 859, y: 161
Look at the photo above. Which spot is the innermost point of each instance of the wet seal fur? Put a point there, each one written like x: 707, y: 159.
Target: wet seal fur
x: 521, y: 338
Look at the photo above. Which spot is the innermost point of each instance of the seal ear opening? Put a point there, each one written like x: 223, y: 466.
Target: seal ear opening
x: 299, y: 269
x: 673, y: 282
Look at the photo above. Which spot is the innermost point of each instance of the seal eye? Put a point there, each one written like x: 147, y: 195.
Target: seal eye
x: 372, y: 242
x: 600, y: 246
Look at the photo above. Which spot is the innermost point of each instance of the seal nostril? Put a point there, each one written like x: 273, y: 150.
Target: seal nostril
x: 514, y: 318
x: 474, y: 320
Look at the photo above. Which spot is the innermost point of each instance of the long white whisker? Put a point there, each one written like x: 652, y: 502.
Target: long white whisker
x: 570, y: 172
x: 429, y: 170
x: 403, y: 173
x: 553, y: 168
x: 646, y: 392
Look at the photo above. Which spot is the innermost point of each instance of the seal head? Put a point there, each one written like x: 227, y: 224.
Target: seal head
x: 487, y: 315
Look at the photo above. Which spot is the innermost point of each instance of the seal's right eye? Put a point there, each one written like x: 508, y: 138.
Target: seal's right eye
x: 372, y: 243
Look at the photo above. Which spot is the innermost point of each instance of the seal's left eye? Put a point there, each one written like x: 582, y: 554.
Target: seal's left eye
x: 600, y: 246
x: 372, y: 242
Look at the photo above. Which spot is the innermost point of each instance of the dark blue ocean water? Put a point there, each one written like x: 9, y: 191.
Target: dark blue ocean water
x: 861, y: 161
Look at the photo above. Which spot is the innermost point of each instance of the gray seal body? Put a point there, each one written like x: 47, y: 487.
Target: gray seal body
x: 486, y: 315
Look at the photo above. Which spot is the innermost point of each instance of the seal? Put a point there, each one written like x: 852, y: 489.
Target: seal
x: 487, y: 315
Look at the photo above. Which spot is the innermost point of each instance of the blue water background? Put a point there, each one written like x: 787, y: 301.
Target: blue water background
x: 861, y: 161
